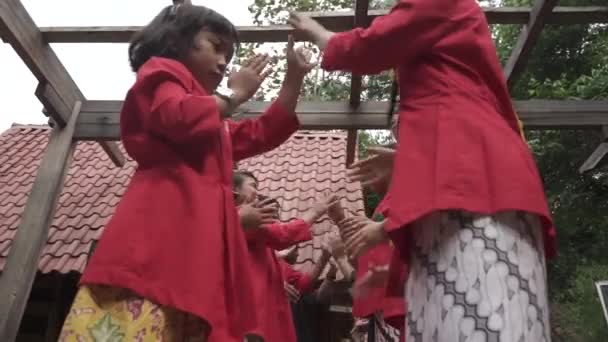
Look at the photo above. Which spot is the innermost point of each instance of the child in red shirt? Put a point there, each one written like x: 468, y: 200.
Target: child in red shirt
x: 466, y: 206
x: 275, y: 322
x: 172, y: 262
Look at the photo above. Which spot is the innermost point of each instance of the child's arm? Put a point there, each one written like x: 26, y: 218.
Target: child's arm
x: 279, y: 236
x: 320, y: 265
x: 337, y: 248
x: 179, y: 116
x: 410, y: 30
x: 326, y: 289
x: 174, y: 112
x: 255, y: 136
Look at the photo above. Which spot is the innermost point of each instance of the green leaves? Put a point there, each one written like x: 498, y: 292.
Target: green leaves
x: 106, y: 331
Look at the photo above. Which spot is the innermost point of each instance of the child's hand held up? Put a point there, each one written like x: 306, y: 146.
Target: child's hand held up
x: 299, y: 61
x: 247, y: 80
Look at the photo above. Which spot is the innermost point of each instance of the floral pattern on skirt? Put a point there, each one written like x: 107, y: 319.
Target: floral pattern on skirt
x: 109, y: 314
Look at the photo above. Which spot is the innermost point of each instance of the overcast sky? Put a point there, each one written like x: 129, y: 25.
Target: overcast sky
x: 100, y: 70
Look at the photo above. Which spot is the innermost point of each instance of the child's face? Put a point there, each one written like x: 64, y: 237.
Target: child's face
x: 208, y: 58
x: 249, y: 190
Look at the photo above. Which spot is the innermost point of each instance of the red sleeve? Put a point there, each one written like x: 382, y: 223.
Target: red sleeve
x: 251, y: 137
x: 175, y: 113
x: 301, y: 281
x: 411, y: 29
x: 280, y: 235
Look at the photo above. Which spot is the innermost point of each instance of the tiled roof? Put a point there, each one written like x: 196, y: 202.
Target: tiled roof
x: 295, y: 173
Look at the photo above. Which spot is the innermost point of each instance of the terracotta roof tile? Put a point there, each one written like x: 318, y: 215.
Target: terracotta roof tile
x: 296, y: 173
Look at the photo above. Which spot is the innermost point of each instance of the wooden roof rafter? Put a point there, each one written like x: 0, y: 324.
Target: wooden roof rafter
x: 99, y: 120
x: 18, y: 29
x: 335, y: 21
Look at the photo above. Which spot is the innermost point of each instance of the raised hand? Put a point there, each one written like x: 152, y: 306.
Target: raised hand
x: 360, y: 234
x: 257, y: 214
x: 376, y: 170
x: 336, y: 211
x: 247, y: 80
x: 336, y: 246
x: 309, y: 29
x: 321, y: 207
x: 298, y: 60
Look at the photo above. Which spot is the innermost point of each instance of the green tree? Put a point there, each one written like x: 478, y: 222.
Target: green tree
x: 570, y: 62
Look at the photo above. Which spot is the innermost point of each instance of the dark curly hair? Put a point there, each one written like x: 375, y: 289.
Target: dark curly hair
x: 171, y: 33
x: 239, y: 176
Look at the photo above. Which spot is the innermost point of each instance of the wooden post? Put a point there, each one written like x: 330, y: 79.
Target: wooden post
x: 22, y: 262
x: 359, y: 20
x: 527, y: 39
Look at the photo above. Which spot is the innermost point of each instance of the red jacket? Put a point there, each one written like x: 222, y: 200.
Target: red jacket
x: 271, y: 303
x: 460, y: 146
x: 175, y: 237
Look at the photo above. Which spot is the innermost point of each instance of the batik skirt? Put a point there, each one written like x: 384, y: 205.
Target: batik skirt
x: 108, y: 314
x: 477, y: 278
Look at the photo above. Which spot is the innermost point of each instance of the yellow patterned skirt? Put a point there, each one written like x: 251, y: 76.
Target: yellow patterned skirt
x: 108, y: 314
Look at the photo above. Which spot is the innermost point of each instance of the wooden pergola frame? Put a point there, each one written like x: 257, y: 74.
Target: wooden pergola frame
x: 77, y: 118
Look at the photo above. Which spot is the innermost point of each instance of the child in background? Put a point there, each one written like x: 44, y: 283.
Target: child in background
x: 267, y: 278
x: 172, y: 262
x: 466, y: 205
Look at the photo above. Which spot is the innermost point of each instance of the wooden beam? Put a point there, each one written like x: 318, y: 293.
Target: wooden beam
x: 22, y: 262
x: 598, y: 154
x: 351, y: 146
x: 335, y: 21
x: 360, y: 20
x: 18, y: 29
x: 527, y: 39
x: 99, y: 120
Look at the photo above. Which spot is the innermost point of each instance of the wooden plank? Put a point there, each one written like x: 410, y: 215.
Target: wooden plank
x: 18, y: 28
x: 22, y: 261
x: 351, y: 146
x: 99, y: 120
x: 527, y: 39
x: 594, y: 159
x: 335, y: 21
x: 598, y: 154
x: 54, y: 107
x: 360, y: 20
